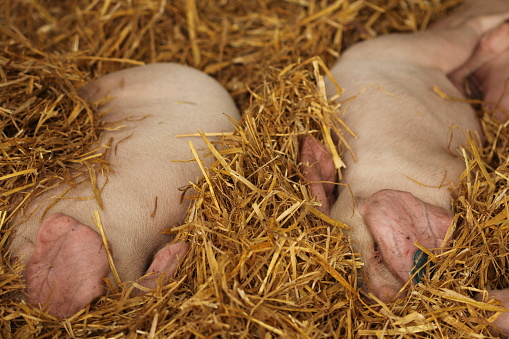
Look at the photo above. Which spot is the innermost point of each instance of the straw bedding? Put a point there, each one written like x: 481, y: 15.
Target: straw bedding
x: 263, y: 261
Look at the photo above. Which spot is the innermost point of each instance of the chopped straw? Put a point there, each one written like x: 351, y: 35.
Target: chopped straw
x: 264, y: 262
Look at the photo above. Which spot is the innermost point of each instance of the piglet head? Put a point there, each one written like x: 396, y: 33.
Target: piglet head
x: 384, y: 227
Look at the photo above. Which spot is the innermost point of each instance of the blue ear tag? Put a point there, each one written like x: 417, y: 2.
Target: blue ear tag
x: 420, y: 265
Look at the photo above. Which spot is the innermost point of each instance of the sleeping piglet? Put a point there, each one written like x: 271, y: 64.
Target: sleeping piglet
x: 405, y: 153
x: 64, y: 255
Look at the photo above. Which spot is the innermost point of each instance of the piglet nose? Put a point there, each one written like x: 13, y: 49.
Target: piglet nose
x: 421, y: 265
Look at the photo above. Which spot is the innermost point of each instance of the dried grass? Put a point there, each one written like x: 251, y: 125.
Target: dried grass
x: 263, y: 261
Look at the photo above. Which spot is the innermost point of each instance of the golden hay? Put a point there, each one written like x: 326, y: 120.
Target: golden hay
x: 263, y: 261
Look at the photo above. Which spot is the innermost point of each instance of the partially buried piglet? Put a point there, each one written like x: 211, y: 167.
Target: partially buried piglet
x: 406, y: 146
x: 65, y: 257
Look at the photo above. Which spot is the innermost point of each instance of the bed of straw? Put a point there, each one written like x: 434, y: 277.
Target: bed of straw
x: 263, y: 262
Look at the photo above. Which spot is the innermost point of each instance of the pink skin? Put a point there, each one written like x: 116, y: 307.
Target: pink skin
x: 51, y: 273
x: 488, y: 69
x: 406, y: 145
x: 65, y: 257
x: 319, y: 171
x: 67, y: 268
x: 164, y: 264
x: 470, y: 9
x: 493, y: 80
x: 397, y: 220
x: 488, y: 66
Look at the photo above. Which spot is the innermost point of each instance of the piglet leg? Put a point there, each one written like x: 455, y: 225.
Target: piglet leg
x: 164, y: 264
x: 65, y: 272
x: 490, y: 46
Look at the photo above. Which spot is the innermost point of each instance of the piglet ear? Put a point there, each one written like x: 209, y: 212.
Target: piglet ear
x: 164, y: 264
x: 66, y: 271
x: 318, y: 168
x: 397, y: 219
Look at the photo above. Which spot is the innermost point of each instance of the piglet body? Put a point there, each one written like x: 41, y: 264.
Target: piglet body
x: 406, y: 145
x: 65, y: 255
